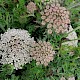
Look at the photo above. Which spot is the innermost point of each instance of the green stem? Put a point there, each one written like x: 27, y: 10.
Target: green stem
x: 2, y: 27
x: 71, y: 32
x: 73, y: 5
x: 74, y: 39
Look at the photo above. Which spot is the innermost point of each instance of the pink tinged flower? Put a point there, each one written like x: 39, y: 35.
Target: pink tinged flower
x: 67, y: 21
x: 45, y: 10
x: 37, y: 63
x: 45, y: 64
x: 42, y: 62
x: 54, y: 17
x: 47, y: 7
x: 66, y: 16
x: 50, y: 16
x: 60, y: 29
x: 54, y: 10
x: 53, y: 5
x: 61, y: 11
x: 58, y: 11
x: 51, y: 20
x: 34, y: 57
x: 67, y: 12
x: 49, y: 26
x: 52, y: 58
x: 58, y: 23
x: 65, y: 26
x: 57, y: 16
x: 50, y: 10
x: 47, y: 13
x: 43, y: 23
x: 47, y: 60
x: 43, y: 17
x: 55, y: 21
x: 63, y: 14
x: 58, y: 5
x: 63, y: 8
x: 31, y: 7
x: 49, y: 31
x: 42, y: 13
x: 47, y: 20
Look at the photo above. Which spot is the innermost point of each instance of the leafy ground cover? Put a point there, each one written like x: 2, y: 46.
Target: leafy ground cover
x: 66, y: 63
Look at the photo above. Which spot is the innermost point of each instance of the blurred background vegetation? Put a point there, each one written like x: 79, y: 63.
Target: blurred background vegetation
x: 13, y: 14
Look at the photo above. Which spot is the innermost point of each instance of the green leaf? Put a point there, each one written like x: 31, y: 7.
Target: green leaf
x: 21, y: 3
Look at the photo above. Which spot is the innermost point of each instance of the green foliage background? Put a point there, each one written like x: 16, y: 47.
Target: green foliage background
x: 13, y: 14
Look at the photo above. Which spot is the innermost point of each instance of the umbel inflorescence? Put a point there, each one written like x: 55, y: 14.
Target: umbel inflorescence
x: 15, y: 47
x: 31, y: 7
x: 56, y: 18
x: 42, y: 52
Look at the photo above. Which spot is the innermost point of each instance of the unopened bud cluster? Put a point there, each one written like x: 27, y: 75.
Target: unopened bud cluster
x: 55, y: 17
x: 15, y: 46
x: 42, y: 52
x: 31, y: 7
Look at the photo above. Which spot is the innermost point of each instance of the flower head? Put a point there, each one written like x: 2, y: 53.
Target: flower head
x: 55, y: 17
x: 31, y: 7
x: 42, y: 52
x: 15, y: 47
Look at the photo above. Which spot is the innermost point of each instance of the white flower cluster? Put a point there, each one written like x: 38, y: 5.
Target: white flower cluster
x: 42, y: 52
x: 72, y: 36
x: 15, y: 47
